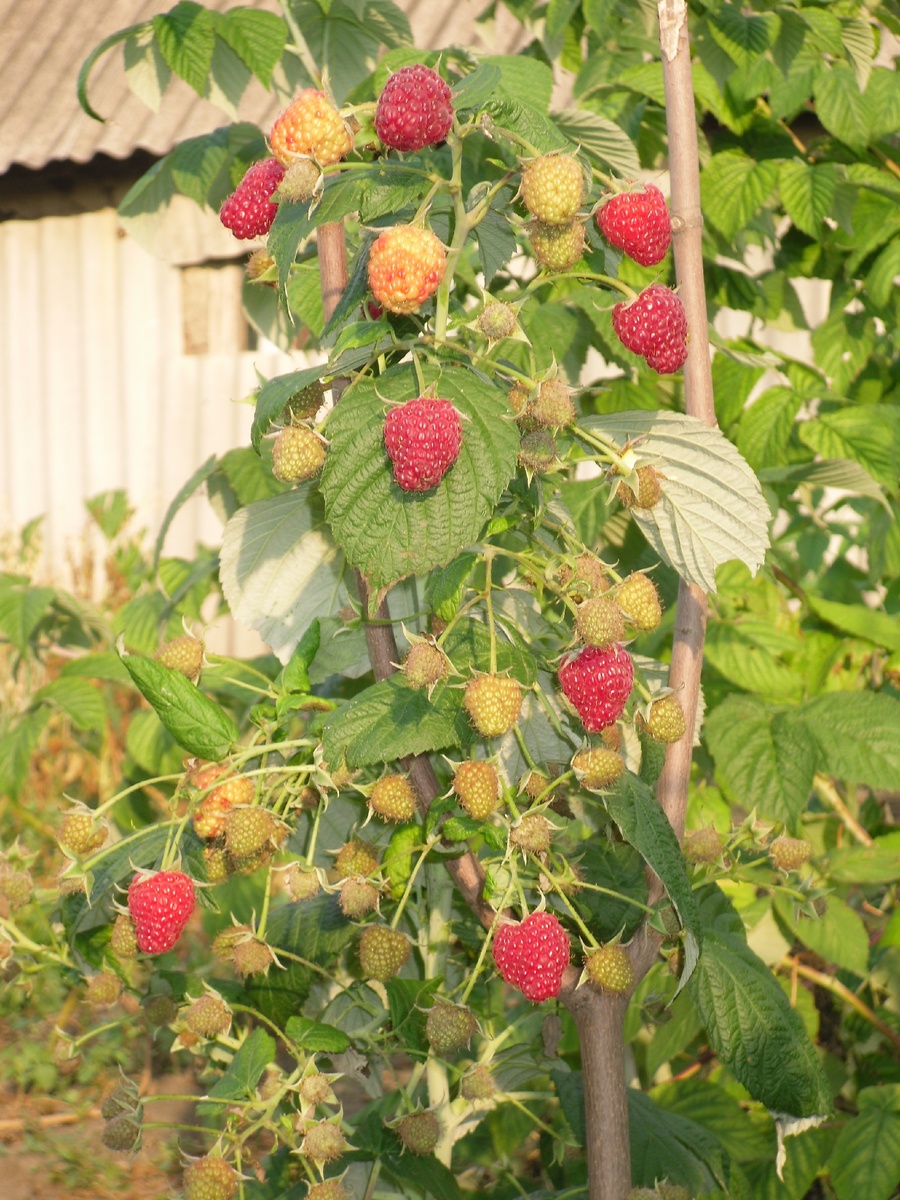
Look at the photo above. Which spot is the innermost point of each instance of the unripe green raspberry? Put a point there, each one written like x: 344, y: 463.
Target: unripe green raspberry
x: 323, y: 1142
x: 639, y: 601
x: 210, y: 1178
x: 610, y: 969
x: 552, y: 407
x: 252, y: 957
x: 790, y: 853
x: 226, y: 939
x: 122, y: 1133
x: 585, y: 579
x: 299, y: 183
x: 356, y: 857
x: 297, y: 454
x: 596, y: 768
x: 78, y: 835
x: 329, y: 1189
x: 103, y: 990
x: 537, y: 452
x: 17, y: 887
x: 648, y: 491
x: 393, y: 798
x: 532, y: 834
x: 316, y: 1089
x: 208, y: 1016
x: 160, y: 1010
x: 556, y: 247
x: 518, y: 397
x: 248, y: 829
x: 477, y: 785
x: 302, y: 882
x: 497, y: 320
x: 702, y: 845
x: 123, y: 940
x: 382, y: 952
x: 419, y: 1132
x: 425, y: 666
x: 184, y: 655
x: 599, y: 622
x: 477, y: 1084
x: 303, y: 405
x: 123, y: 1099
x: 665, y: 721
x: 493, y: 703
x: 449, y: 1027
x: 552, y: 188
x: 357, y: 897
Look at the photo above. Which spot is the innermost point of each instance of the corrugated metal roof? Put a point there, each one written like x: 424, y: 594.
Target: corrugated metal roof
x: 44, y: 42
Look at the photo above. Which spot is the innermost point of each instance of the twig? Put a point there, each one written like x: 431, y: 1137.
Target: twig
x: 829, y: 793
x: 830, y: 984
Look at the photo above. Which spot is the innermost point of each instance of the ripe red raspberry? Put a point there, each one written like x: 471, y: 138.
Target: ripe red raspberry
x: 556, y: 247
x: 598, y: 683
x: 210, y: 1178
x: 638, y: 223
x: 477, y: 785
x: 597, y: 767
x: 533, y: 955
x: 160, y: 905
x: 552, y: 188
x: 249, y: 212
x: 415, y: 109
x: 406, y: 266
x: 393, y: 798
x: 310, y: 127
x: 610, y: 969
x: 423, y: 438
x: 654, y: 326
x: 297, y: 454
x: 382, y: 952
x: 493, y: 703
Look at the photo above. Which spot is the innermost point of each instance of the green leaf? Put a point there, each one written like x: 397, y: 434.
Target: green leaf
x: 473, y: 89
x: 745, y: 653
x: 858, y: 38
x: 764, y: 757
x: 194, y: 720
x: 865, y: 1160
x: 880, y: 279
x: 145, y: 68
x: 295, y: 677
x: 344, y: 36
x: 280, y: 568
x: 743, y: 35
x: 864, y: 864
x: 643, y: 824
x: 734, y: 187
x: 294, y: 223
x: 601, y: 139
x: 258, y: 38
x: 184, y: 493
x: 666, y: 1145
x: 186, y: 38
x: 315, y: 1036
x: 523, y: 78
x: 79, y: 700
x: 105, y: 665
x: 841, y: 107
x: 496, y: 240
x: 274, y: 395
x: 243, y: 1074
x: 316, y: 931
x: 830, y: 472
x: 712, y: 508
x: 839, y: 935
x: 390, y: 719
x: 22, y: 607
x: 418, y: 1174
x: 94, y: 57
x: 868, y: 434
x: 857, y: 736
x: 883, y: 95
x: 444, y: 590
x: 766, y: 427
x: 17, y: 745
x: 388, y: 533
x: 713, y: 1107
x: 860, y: 620
x: 150, y: 745
x: 807, y: 193
x: 750, y: 1023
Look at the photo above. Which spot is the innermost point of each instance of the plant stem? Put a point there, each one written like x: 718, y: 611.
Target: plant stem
x: 830, y: 984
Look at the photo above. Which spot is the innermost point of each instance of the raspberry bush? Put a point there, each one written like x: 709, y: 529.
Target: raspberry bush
x: 402, y: 890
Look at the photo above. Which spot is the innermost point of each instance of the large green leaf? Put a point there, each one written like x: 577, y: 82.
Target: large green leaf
x: 745, y: 652
x: 79, y: 700
x: 344, y: 37
x: 858, y: 619
x: 192, y: 718
x: 868, y: 434
x: 764, y: 757
x: 186, y: 38
x: 857, y: 734
x: 733, y: 187
x: 388, y: 533
x: 766, y: 427
x: 17, y: 746
x: 601, y: 138
x: 712, y: 508
x: 21, y: 610
x: 642, y: 822
x: 749, y: 1020
x: 258, y: 38
x: 667, y: 1145
x: 842, y: 108
x: 280, y: 569
x: 243, y: 1074
x: 839, y: 935
x: 865, y: 1160
x: 807, y: 193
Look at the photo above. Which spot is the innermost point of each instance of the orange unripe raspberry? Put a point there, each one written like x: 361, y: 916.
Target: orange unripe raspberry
x: 310, y: 127
x: 552, y: 188
x: 406, y: 267
x: 425, y: 666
